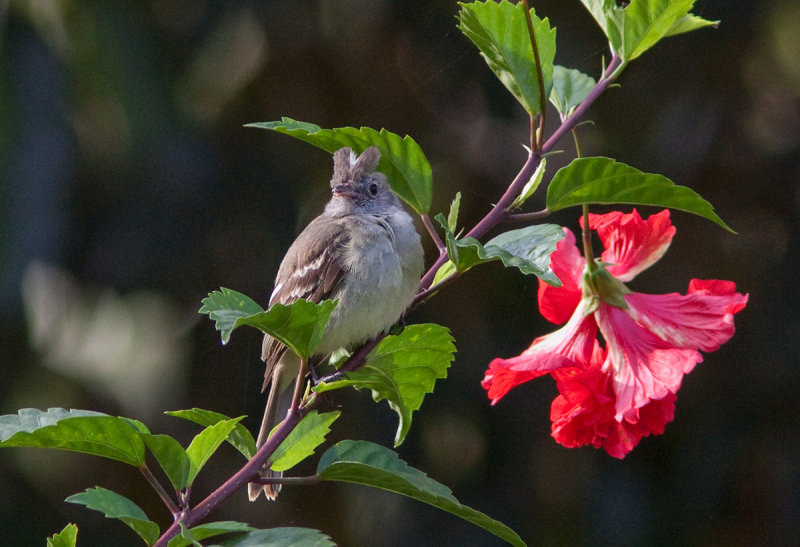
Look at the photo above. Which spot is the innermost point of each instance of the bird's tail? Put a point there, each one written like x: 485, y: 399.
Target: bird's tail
x: 278, y: 402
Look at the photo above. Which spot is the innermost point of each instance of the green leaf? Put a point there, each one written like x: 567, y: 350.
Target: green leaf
x: 369, y: 464
x: 500, y: 32
x: 531, y: 186
x: 610, y: 19
x: 225, y: 306
x: 570, y: 88
x: 171, y: 457
x: 444, y: 271
x: 205, y: 444
x: 648, y: 21
x: 65, y: 538
x: 690, y: 22
x: 282, y: 537
x: 113, y: 505
x: 402, y: 160
x: 643, y: 23
x: 241, y: 439
x: 527, y: 248
x: 605, y: 181
x: 300, y: 325
x: 452, y: 216
x: 82, y: 431
x: 402, y: 369
x: 301, y: 442
x: 207, y: 530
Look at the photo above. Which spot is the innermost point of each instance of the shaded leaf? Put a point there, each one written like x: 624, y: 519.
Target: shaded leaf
x: 225, y: 306
x: 113, y: 505
x: 500, y: 32
x: 65, y: 538
x: 207, y: 530
x: 281, y: 537
x: 605, y: 181
x: 171, y: 457
x: 369, y: 464
x: 82, y: 431
x: 205, y: 444
x: 303, y: 440
x: 570, y: 88
x: 241, y: 439
x: 402, y: 160
x: 402, y: 369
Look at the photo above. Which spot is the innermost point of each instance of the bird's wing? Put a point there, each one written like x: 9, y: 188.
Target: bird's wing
x: 311, y: 269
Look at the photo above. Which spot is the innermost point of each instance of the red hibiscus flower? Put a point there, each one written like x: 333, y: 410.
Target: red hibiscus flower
x: 611, y: 397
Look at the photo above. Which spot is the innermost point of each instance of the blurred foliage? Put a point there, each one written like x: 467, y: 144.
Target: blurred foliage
x: 129, y: 189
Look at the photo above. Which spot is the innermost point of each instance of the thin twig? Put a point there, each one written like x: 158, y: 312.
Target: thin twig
x: 248, y: 473
x: 527, y: 217
x: 299, y: 383
x: 536, y: 143
x: 608, y: 78
x: 160, y: 490
x: 426, y: 221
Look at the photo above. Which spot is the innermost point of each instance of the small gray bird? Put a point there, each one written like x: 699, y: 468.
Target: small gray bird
x: 363, y: 251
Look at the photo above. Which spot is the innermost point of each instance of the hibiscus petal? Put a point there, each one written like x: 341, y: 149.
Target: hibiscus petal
x: 702, y: 319
x: 583, y: 413
x: 500, y: 379
x: 632, y: 244
x: 556, y: 304
x: 643, y: 366
x: 573, y: 345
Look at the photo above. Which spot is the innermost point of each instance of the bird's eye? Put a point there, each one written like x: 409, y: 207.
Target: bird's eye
x: 373, y: 189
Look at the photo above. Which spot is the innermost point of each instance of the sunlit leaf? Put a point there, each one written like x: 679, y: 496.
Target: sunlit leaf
x: 281, y: 537
x: 205, y: 444
x: 570, y: 88
x: 605, y: 181
x: 402, y: 160
x: 690, y: 22
x: 369, y: 464
x: 171, y: 457
x: 113, y: 505
x: 299, y: 325
x: 402, y: 369
x: 532, y: 185
x: 82, y: 431
x: 641, y: 24
x: 500, y: 32
x: 648, y: 21
x: 207, y: 530
x: 452, y: 216
x: 65, y: 538
x: 241, y: 439
x: 301, y: 442
x: 225, y: 306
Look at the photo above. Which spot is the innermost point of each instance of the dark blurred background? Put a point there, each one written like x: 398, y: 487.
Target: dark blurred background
x: 129, y: 189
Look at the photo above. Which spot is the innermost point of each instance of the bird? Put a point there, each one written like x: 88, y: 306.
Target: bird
x: 362, y: 251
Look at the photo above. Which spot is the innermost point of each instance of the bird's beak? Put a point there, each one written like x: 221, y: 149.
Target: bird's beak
x: 344, y: 190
